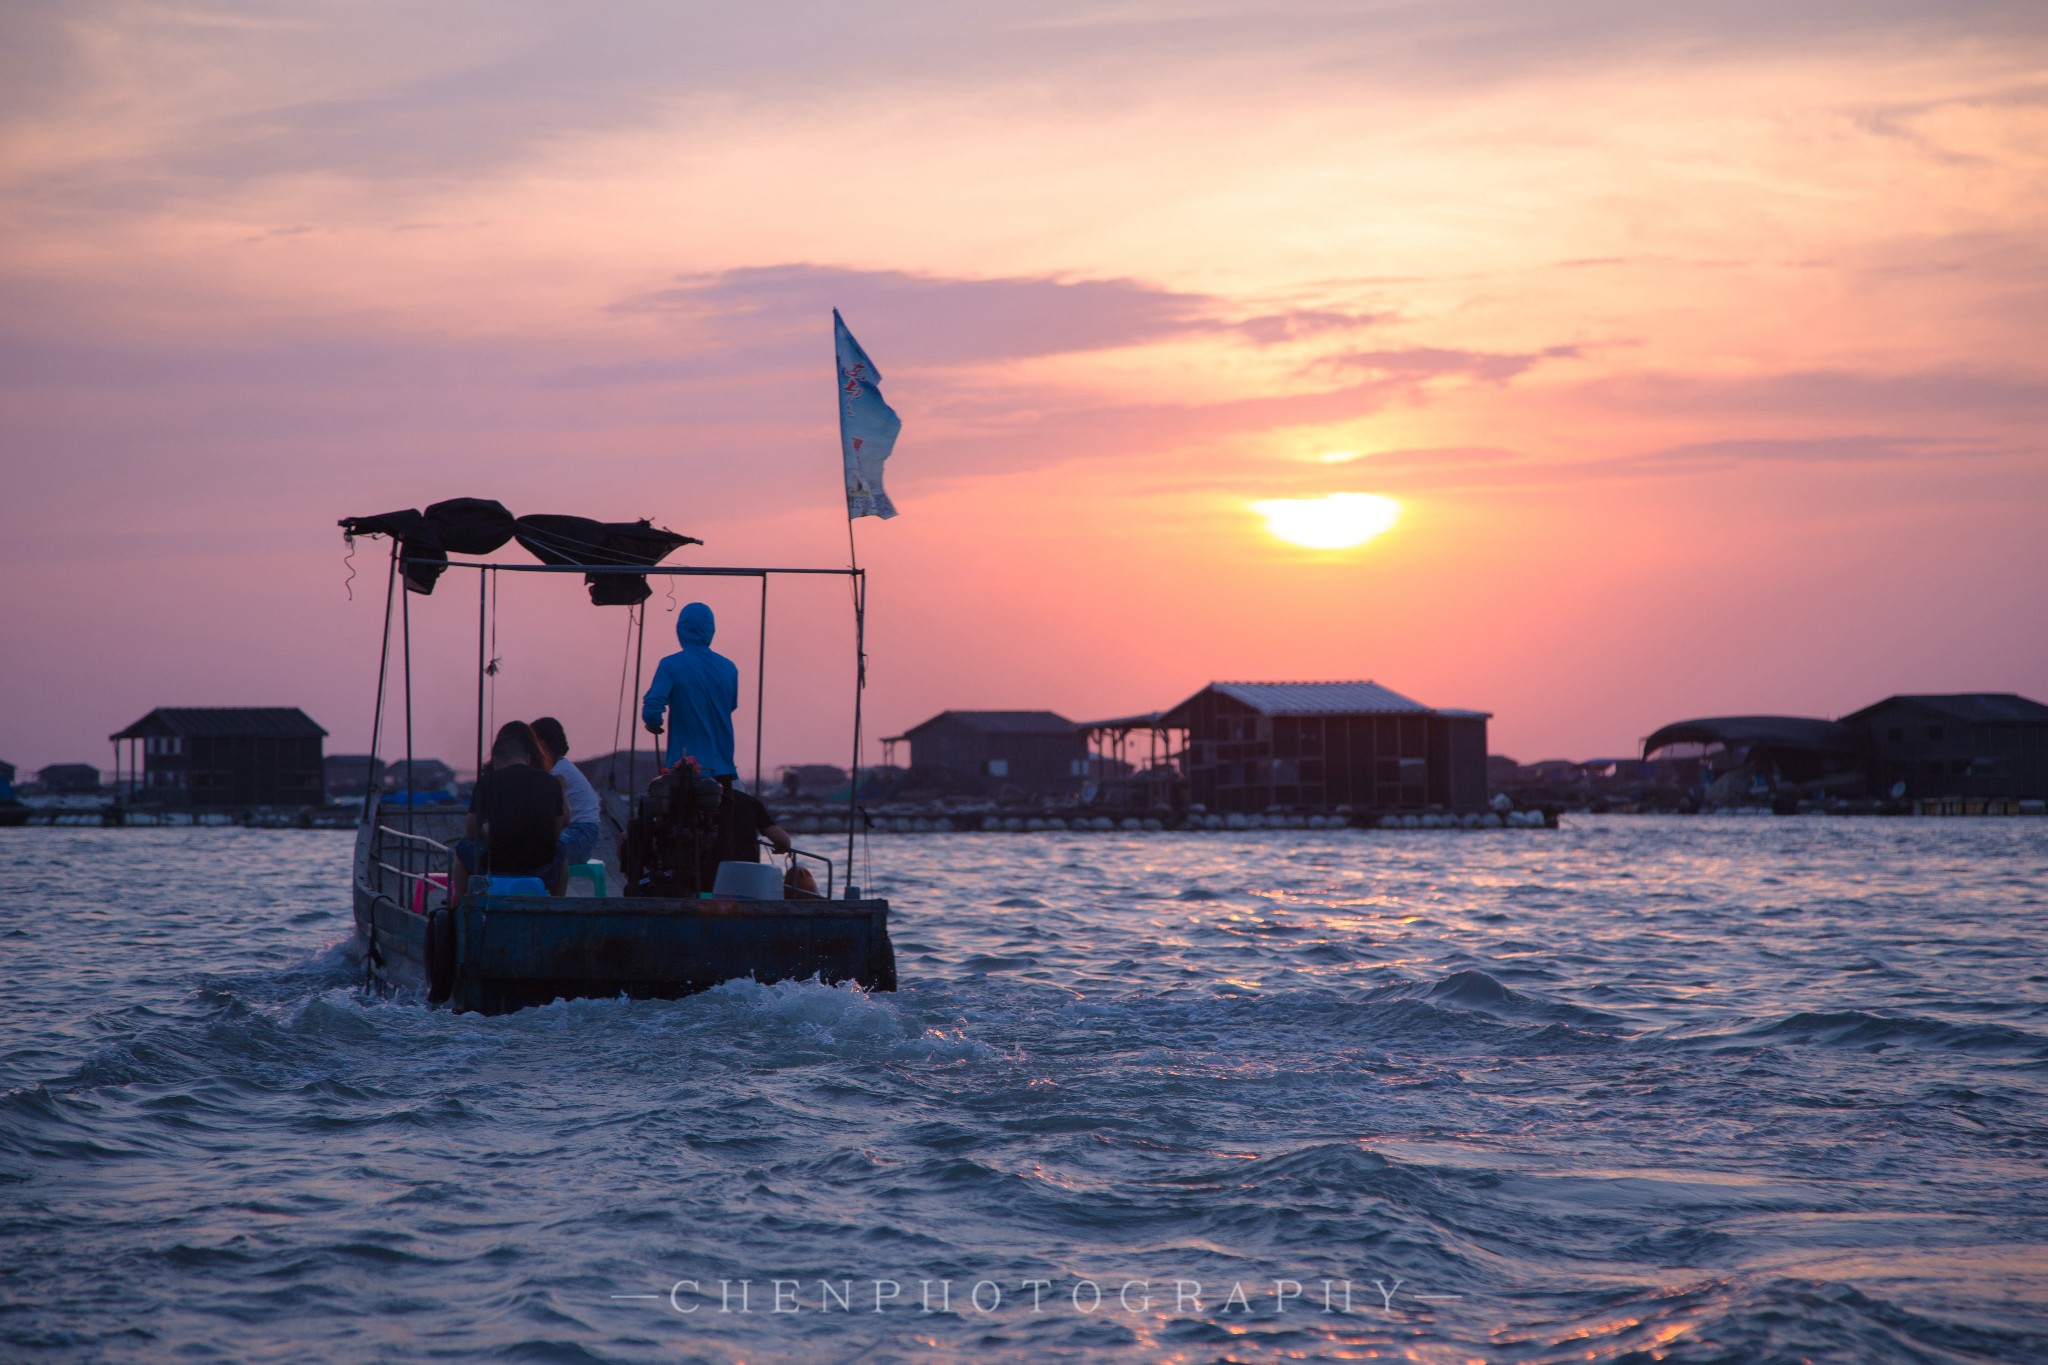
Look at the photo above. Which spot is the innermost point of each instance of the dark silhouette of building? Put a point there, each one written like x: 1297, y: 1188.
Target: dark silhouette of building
x: 350, y: 776
x: 69, y: 779
x: 1037, y: 752
x: 1959, y: 744
x: 419, y: 775
x: 224, y: 756
x: 811, y: 782
x: 1760, y: 757
x: 1316, y: 746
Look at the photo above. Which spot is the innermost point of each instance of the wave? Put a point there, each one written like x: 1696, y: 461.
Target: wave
x: 841, y: 1016
x: 1755, y: 1322
x: 1869, y: 1032
x: 1475, y: 991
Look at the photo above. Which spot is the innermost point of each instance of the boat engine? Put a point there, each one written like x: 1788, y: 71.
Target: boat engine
x: 673, y: 837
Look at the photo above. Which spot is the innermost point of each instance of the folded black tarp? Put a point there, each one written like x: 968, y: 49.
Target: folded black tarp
x: 477, y: 526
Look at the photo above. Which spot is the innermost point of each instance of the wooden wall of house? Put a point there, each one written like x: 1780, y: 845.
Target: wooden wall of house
x: 1240, y: 760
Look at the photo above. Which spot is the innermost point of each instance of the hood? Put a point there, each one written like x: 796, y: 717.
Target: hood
x: 695, y: 625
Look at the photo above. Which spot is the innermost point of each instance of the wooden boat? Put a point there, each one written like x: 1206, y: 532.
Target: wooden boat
x: 498, y: 952
x: 493, y: 954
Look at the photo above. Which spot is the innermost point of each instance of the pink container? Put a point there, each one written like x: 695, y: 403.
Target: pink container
x: 419, y: 891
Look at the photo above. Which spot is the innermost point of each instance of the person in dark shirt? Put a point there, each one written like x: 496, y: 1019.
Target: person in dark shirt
x: 746, y: 823
x: 516, y: 816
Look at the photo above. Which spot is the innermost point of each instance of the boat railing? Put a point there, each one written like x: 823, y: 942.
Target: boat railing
x: 438, y: 858
x: 830, y: 885
x: 414, y: 838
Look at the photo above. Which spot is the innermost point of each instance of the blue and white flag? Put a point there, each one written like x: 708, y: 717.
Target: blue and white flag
x: 867, y: 426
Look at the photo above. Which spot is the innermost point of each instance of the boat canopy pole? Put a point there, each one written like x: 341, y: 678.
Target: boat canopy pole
x: 860, y: 683
x: 639, y: 657
x: 411, y: 772
x: 853, y: 573
x: 370, y: 783
x: 482, y: 585
x: 638, y: 570
x: 760, y: 686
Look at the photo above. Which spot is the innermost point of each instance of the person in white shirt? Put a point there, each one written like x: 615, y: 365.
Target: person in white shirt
x: 581, y: 834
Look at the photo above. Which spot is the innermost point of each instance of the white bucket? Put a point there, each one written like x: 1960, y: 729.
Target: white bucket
x: 748, y: 882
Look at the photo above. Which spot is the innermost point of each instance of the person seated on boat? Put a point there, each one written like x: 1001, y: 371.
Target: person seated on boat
x: 743, y: 823
x: 698, y: 689
x: 580, y: 836
x: 516, y: 817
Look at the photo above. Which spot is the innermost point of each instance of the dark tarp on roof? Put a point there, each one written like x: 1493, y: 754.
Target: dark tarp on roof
x: 999, y: 723
x: 1770, y: 732
x: 262, y: 722
x: 477, y: 526
x: 1151, y: 720
x: 1981, y: 708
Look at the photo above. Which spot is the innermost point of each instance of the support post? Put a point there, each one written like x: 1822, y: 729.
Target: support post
x: 760, y: 686
x: 371, y: 776
x: 482, y: 587
x: 410, y: 772
x: 639, y: 658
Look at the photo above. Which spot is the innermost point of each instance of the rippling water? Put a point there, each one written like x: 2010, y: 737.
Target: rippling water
x: 1741, y: 1090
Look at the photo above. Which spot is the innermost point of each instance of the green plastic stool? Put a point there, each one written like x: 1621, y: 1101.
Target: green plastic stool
x: 593, y: 872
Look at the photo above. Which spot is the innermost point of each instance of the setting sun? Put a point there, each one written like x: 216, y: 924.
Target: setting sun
x: 1336, y: 521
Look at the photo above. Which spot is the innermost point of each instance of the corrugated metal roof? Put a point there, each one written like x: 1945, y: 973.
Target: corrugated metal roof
x: 265, y: 722
x: 1320, y: 698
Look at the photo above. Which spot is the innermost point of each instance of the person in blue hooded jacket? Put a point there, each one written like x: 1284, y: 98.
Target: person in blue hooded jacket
x: 699, y: 688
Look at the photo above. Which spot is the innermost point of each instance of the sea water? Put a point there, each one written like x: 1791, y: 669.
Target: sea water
x: 1686, y: 1089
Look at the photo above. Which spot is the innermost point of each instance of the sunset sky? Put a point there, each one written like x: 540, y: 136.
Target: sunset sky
x: 1701, y: 347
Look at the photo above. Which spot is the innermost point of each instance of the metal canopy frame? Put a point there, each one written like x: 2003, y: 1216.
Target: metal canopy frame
x: 486, y: 568
x: 671, y: 570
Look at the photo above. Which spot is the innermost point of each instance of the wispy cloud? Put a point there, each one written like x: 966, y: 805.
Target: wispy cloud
x: 938, y: 321
x: 1417, y: 364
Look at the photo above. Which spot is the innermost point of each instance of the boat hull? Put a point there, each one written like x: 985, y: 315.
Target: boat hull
x: 493, y: 954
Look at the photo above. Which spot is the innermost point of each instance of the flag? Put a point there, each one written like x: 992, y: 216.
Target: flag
x: 867, y: 426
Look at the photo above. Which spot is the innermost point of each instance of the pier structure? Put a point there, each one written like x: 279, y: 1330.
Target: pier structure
x: 1115, y: 779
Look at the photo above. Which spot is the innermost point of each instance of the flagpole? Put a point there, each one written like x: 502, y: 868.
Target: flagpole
x: 864, y: 419
x: 860, y: 682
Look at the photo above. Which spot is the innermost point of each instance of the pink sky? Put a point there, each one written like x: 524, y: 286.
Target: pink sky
x: 1702, y: 346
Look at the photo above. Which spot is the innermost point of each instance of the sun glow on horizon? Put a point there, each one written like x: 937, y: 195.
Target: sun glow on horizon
x: 1335, y: 521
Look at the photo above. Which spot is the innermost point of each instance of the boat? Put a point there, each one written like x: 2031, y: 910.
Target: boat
x: 508, y: 946
x: 13, y: 813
